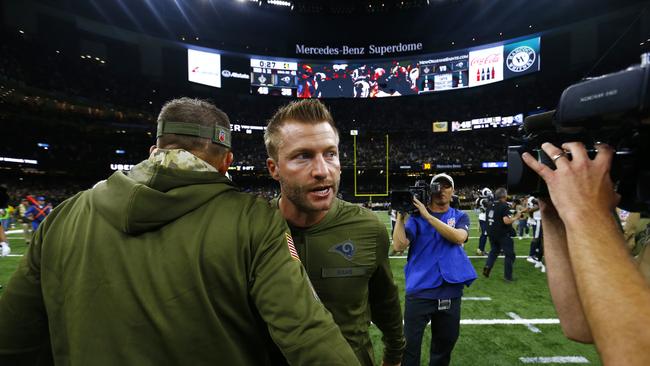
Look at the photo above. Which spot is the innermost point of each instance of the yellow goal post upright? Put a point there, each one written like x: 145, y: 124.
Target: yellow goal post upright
x: 369, y: 195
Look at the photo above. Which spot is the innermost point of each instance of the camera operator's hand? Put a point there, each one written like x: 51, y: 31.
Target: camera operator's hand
x: 589, y: 267
x: 579, y: 186
x: 420, y: 206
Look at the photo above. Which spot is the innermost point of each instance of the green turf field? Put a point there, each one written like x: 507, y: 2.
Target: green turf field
x: 495, y: 344
x: 486, y: 344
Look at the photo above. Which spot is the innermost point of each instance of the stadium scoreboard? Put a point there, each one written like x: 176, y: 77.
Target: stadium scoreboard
x: 274, y: 77
x: 370, y: 78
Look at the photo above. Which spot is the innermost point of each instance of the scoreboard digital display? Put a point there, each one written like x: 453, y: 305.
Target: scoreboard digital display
x: 371, y: 78
x: 274, y: 77
x: 488, y: 122
x: 422, y: 74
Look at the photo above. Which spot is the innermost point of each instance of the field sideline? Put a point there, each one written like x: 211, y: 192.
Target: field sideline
x: 502, y: 323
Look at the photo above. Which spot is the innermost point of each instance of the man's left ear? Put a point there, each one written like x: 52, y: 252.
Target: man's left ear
x: 225, y: 164
x: 274, y: 171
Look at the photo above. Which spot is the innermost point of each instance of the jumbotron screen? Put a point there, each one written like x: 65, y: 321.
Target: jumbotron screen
x: 382, y: 77
x: 417, y: 75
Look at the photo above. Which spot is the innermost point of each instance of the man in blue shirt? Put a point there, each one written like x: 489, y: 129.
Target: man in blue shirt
x: 436, y: 271
x: 37, y: 212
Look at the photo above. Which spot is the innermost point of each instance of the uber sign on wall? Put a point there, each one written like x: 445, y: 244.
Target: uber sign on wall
x: 521, y: 58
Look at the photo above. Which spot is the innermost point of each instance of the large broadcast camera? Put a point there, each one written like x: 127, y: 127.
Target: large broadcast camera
x: 612, y: 109
x: 402, y: 201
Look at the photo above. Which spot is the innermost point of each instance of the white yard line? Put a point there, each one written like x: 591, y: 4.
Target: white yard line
x: 530, y: 327
x: 554, y: 359
x: 477, y: 299
x: 508, y: 321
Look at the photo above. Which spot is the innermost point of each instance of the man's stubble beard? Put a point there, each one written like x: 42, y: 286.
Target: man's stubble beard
x: 298, y: 195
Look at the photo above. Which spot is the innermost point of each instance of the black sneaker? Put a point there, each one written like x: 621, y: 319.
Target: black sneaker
x: 486, y: 271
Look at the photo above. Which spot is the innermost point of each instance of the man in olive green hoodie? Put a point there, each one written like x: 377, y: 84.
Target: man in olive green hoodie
x: 169, y: 264
x: 343, y: 247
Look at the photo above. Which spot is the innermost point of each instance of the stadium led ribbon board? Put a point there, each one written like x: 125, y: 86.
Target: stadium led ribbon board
x: 370, y: 78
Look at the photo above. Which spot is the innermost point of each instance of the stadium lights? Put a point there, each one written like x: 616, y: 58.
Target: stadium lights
x: 21, y: 31
x: 18, y: 160
x: 279, y: 3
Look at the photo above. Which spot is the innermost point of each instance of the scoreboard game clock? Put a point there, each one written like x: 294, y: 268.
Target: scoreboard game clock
x: 274, y: 77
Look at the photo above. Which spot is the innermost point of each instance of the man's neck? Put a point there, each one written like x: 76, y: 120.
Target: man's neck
x: 438, y: 208
x: 298, y: 218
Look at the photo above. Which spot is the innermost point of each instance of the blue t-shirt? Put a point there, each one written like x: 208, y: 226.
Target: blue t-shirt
x: 437, y: 268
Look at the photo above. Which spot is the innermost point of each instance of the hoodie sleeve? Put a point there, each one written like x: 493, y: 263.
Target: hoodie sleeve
x: 23, y: 321
x: 298, y: 323
x: 384, y: 302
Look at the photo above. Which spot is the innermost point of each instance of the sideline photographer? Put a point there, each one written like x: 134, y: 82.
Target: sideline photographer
x: 499, y: 230
x: 436, y: 271
x: 599, y: 294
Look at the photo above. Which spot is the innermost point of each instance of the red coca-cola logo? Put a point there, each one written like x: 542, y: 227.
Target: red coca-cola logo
x: 486, y: 60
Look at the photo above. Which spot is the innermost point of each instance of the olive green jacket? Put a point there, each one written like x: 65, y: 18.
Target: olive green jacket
x: 175, y: 267
x: 346, y: 257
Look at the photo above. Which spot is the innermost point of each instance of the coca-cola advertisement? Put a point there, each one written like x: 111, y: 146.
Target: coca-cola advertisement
x: 485, y: 66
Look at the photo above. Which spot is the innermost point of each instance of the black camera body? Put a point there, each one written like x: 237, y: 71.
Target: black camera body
x: 402, y: 201
x: 612, y: 109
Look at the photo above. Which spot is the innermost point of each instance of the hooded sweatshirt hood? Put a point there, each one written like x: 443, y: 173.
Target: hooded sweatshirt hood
x: 168, y: 185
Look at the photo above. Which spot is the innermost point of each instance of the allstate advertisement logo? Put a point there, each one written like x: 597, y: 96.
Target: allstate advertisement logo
x: 521, y: 59
x: 234, y: 74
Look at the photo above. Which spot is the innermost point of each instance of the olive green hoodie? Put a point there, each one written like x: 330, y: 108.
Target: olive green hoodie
x: 166, y: 266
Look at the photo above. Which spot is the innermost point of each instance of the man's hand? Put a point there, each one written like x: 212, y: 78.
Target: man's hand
x: 420, y: 206
x: 580, y: 186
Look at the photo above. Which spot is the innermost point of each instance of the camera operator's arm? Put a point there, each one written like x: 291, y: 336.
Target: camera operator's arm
x: 613, y: 293
x: 400, y: 241
x: 561, y: 281
x: 458, y: 236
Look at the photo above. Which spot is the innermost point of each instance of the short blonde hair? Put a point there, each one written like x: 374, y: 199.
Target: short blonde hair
x: 307, y: 111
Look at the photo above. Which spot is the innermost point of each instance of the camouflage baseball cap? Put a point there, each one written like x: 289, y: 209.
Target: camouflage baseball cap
x: 217, y: 134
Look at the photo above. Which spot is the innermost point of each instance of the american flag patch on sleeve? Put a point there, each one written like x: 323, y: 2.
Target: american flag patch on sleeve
x: 292, y: 248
